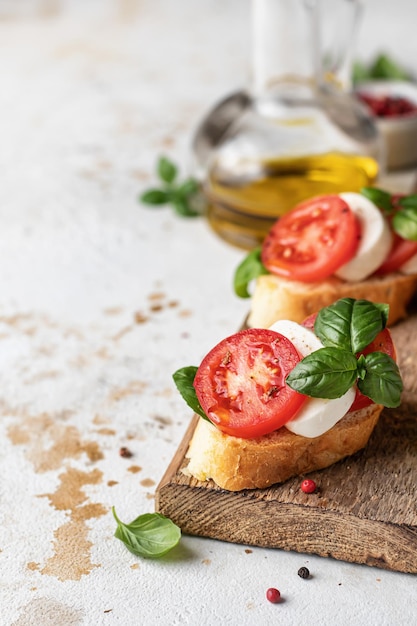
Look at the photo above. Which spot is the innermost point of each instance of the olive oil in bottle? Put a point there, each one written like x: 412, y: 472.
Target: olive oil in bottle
x: 242, y: 208
x: 300, y: 133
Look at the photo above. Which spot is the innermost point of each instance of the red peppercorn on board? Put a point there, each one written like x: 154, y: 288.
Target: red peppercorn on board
x: 363, y: 510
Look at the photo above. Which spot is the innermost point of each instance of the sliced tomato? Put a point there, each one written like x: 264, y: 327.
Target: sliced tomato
x: 310, y: 321
x: 241, y: 383
x: 313, y: 240
x: 401, y: 251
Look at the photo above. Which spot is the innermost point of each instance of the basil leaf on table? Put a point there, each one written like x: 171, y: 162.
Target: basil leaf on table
x: 249, y: 269
x: 325, y: 373
x: 184, y: 197
x: 350, y: 324
x: 150, y: 535
x: 167, y: 170
x: 184, y: 379
x: 155, y: 196
x: 381, y: 380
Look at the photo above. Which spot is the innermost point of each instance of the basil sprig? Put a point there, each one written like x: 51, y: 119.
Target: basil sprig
x: 249, y: 269
x: 150, y: 535
x: 184, y: 379
x: 383, y: 67
x: 184, y: 197
x: 402, y: 210
x: 345, y: 328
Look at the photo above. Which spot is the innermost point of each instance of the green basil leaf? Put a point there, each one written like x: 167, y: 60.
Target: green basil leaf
x: 350, y: 324
x: 382, y: 380
x: 184, y: 379
x: 249, y: 269
x: 182, y: 207
x: 155, y: 196
x: 167, y: 170
x: 382, y: 199
x: 384, y: 67
x: 150, y: 535
x: 188, y: 187
x: 368, y: 319
x: 326, y: 373
x: 405, y: 223
x: 408, y: 201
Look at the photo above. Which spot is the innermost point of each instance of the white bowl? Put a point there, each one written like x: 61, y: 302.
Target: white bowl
x: 399, y: 133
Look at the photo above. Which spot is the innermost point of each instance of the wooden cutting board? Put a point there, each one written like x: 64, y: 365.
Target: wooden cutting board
x: 365, y: 508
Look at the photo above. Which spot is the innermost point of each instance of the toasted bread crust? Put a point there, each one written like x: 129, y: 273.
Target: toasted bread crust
x: 235, y: 464
x: 277, y: 298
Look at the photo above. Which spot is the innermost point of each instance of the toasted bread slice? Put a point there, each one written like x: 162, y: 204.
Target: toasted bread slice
x: 277, y: 298
x: 235, y: 464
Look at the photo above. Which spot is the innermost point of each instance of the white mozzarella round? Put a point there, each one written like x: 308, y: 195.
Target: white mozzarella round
x: 375, y: 243
x: 317, y: 415
x: 410, y: 266
x: 303, y: 338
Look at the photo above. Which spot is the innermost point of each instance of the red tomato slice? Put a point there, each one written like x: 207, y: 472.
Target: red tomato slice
x: 241, y: 383
x: 313, y: 240
x: 402, y: 250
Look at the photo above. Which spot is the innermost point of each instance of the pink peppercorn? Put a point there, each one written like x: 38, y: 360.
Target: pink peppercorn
x: 273, y: 595
x: 308, y: 486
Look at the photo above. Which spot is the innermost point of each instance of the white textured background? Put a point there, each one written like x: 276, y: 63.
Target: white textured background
x: 101, y: 299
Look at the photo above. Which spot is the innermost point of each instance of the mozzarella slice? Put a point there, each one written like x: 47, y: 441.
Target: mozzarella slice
x: 317, y: 415
x: 410, y: 266
x: 375, y: 243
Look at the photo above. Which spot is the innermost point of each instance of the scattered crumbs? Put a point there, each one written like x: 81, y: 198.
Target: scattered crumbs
x: 162, y: 421
x: 33, y: 588
x: 248, y: 551
x: 112, y: 483
x: 115, y: 310
x: 250, y: 605
x: 339, y: 584
x: 122, y: 332
x: 125, y: 452
x: 104, y: 164
x: 155, y: 308
x: 99, y: 419
x: 140, y: 318
x: 185, y: 335
x: 93, y: 451
x: 158, y: 295
x: 106, y: 431
x: 150, y: 496
x: 168, y: 141
x: 206, y: 561
x: 134, y: 469
x: 173, y: 303
x: 133, y: 388
x: 134, y: 566
x: 378, y: 580
x: 185, y: 313
x: 139, y: 174
x: 32, y: 566
x: 107, y: 610
x: 102, y: 353
x: 147, y: 482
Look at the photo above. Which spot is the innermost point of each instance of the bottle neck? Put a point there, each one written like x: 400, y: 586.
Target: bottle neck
x: 298, y: 45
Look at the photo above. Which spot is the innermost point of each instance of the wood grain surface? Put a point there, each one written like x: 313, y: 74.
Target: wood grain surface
x: 365, y: 507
